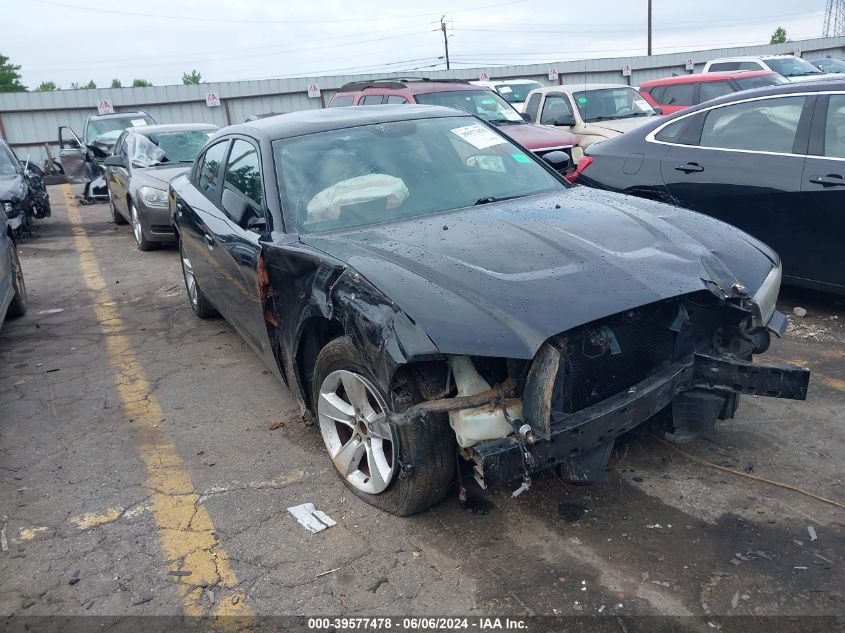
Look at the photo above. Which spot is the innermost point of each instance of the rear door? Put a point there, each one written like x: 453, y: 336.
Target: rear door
x: 823, y: 199
x: 198, y: 216
x: 745, y: 168
x: 238, y: 248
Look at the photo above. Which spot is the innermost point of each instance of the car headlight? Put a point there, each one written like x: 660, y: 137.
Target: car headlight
x: 767, y: 295
x: 153, y: 197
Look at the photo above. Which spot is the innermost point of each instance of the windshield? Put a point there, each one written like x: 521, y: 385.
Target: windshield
x: 746, y: 83
x: 830, y: 65
x: 792, y: 66
x: 603, y: 104
x: 147, y: 150
x: 484, y: 103
x: 516, y: 93
x: 404, y: 169
x: 108, y: 130
x: 8, y: 164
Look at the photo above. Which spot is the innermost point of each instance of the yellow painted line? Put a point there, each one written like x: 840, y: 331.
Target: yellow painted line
x: 184, y: 526
x: 27, y: 534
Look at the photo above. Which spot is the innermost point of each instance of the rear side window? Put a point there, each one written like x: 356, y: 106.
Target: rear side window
x: 657, y: 93
x: 720, y: 67
x: 209, y: 170
x: 243, y: 172
x: 713, y: 89
x: 766, y: 125
x: 834, y: 129
x: 532, y: 106
x: 339, y: 101
x: 371, y: 100
x: 678, y: 95
x: 396, y: 99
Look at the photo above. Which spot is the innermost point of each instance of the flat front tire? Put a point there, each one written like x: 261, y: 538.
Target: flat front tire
x: 138, y: 230
x: 199, y: 304
x: 18, y: 305
x: 401, y: 469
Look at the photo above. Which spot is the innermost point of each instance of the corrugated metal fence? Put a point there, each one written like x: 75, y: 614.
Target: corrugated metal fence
x: 29, y: 120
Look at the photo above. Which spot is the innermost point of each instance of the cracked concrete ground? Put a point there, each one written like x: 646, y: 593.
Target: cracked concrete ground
x: 663, y: 536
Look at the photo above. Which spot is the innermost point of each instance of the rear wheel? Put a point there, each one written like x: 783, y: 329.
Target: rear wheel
x: 199, y: 304
x: 401, y: 469
x: 18, y: 306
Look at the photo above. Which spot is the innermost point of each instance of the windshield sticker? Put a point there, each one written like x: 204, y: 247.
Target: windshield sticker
x: 521, y: 158
x: 138, y: 122
x: 478, y: 136
x: 505, y: 89
x: 642, y: 105
x: 512, y: 115
x: 582, y: 99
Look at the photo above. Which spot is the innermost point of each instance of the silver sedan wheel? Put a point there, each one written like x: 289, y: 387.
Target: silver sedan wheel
x: 353, y: 422
x: 190, y: 280
x: 136, y: 225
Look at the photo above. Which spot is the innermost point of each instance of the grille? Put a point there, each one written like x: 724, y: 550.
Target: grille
x: 590, y: 372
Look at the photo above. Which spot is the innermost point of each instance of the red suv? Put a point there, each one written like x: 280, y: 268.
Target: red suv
x: 677, y: 93
x: 462, y: 95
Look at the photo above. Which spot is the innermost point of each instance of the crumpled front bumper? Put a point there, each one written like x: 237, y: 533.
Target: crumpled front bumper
x: 698, y: 382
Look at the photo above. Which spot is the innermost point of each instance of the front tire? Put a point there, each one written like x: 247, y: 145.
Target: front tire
x: 199, y: 304
x: 401, y: 469
x: 138, y: 231
x: 17, y: 307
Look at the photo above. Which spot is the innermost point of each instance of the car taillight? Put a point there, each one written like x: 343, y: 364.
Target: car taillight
x: 582, y: 165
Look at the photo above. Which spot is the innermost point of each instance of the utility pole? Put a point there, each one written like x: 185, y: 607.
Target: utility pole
x: 446, y: 37
x: 649, y: 28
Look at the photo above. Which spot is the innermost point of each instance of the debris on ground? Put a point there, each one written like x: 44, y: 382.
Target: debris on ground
x: 812, y: 532
x: 276, y: 424
x: 571, y: 512
x: 310, y: 518
x: 799, y: 311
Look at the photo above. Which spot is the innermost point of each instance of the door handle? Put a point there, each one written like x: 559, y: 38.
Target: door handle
x: 831, y: 180
x: 209, y: 242
x: 688, y: 168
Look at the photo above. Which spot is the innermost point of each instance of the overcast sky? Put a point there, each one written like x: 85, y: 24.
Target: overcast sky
x: 77, y: 40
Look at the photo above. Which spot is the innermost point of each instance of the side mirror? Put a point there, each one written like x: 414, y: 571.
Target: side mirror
x: 558, y: 160
x: 565, y: 120
x: 525, y: 116
x: 235, y: 206
x: 114, y: 161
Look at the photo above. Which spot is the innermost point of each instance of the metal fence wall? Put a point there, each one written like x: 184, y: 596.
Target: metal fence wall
x: 29, y: 120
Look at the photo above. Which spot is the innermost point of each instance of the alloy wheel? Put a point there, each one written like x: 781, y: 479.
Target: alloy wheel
x: 360, y: 440
x: 17, y: 273
x: 190, y: 280
x: 136, y: 226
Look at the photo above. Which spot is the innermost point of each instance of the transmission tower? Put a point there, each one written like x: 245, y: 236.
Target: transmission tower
x: 834, y: 18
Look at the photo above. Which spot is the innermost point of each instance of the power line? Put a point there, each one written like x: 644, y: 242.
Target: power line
x: 136, y: 14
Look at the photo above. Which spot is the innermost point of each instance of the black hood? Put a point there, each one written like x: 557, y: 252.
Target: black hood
x: 12, y: 188
x: 500, y: 279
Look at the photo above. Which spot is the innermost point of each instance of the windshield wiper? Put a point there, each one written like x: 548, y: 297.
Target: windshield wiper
x: 490, y: 199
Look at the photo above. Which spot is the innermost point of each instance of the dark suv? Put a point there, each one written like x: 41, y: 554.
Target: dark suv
x: 455, y: 93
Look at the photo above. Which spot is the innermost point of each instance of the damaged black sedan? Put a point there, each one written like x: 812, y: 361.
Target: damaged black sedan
x: 425, y: 286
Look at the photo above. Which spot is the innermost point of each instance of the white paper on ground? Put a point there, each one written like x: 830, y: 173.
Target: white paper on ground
x: 310, y: 518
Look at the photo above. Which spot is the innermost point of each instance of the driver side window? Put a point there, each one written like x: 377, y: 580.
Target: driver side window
x: 243, y: 174
x: 554, y: 107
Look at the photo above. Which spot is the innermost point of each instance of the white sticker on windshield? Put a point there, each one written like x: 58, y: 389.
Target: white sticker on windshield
x: 505, y: 89
x: 642, y: 105
x: 478, y: 136
x: 512, y: 115
x: 138, y: 122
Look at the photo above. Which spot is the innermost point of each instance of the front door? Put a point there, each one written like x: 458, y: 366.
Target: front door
x: 745, y: 169
x: 73, y: 155
x: 823, y: 187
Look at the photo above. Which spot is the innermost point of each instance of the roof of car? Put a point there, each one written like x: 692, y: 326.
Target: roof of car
x: 570, y: 88
x: 118, y: 115
x: 740, y: 58
x: 717, y: 76
x: 416, y: 85
x: 173, y: 127
x: 324, y: 120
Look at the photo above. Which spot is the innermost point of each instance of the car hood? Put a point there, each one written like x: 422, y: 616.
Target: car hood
x: 535, y: 137
x: 12, y: 188
x: 500, y: 279
x: 159, y: 175
x: 620, y: 126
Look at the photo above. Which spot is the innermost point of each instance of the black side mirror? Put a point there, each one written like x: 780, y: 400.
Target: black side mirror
x: 525, y: 116
x: 114, y: 161
x: 235, y: 206
x: 558, y: 160
x: 565, y: 120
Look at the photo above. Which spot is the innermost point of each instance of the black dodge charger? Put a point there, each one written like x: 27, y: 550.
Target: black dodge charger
x: 423, y: 286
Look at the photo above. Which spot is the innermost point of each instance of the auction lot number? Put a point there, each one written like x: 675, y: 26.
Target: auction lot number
x: 415, y: 624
